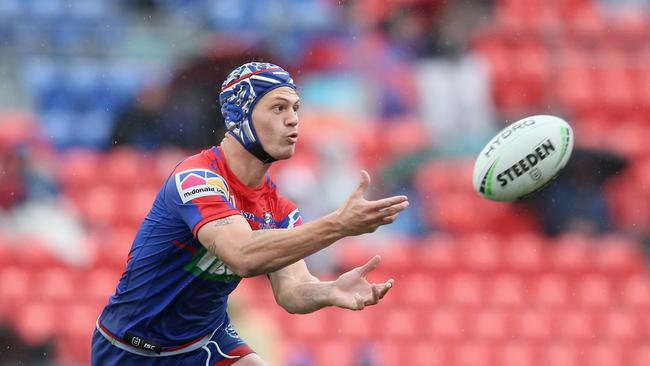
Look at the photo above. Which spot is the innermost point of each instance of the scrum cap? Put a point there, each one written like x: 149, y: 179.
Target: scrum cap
x: 241, y: 90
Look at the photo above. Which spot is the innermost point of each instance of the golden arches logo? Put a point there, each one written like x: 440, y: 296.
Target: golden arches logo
x: 220, y: 184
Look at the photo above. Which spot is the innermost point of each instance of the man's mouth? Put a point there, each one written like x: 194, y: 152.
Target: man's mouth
x: 292, y: 137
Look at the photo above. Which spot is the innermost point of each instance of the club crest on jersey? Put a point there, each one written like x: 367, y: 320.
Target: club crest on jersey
x: 268, y: 223
x: 197, y: 183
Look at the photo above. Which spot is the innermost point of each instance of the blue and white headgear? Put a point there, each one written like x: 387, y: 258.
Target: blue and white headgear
x: 240, y: 92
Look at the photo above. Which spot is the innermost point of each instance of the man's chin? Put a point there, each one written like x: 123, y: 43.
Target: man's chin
x: 284, y: 155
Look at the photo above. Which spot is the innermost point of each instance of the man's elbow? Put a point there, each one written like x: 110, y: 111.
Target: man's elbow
x: 289, y: 307
x: 246, y: 269
x: 242, y: 271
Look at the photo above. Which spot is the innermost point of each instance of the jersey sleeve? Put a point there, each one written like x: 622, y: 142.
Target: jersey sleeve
x: 289, y: 213
x: 199, y: 196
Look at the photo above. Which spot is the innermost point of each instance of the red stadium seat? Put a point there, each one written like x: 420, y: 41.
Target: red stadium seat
x: 425, y: 352
x: 79, y: 170
x: 618, y: 255
x: 524, y: 253
x: 561, y: 353
x: 123, y: 168
x: 354, y: 325
x: 418, y: 289
x: 640, y: 355
x: 401, y: 323
x: 628, y: 139
x: 604, y: 354
x: 389, y: 353
x: 354, y: 254
x: 34, y: 253
x: 551, y: 291
x: 515, y: 353
x: 533, y: 324
x: 433, y: 178
x: 620, y: 325
x: 14, y: 285
x: 439, y: 255
x: 73, y: 349
x: 100, y: 205
x: 584, y: 20
x: 480, y: 252
x: 576, y: 91
x: 576, y: 325
x: 472, y: 353
x: 394, y: 259
x: 7, y: 252
x: 139, y: 200
x: 76, y: 319
x: 507, y: 291
x: 594, y: 291
x: 336, y: 352
x: 643, y: 318
x: 571, y: 254
x: 54, y: 285
x: 490, y: 324
x: 528, y: 18
x: 36, y: 322
x: 406, y: 137
x: 165, y: 160
x: 635, y: 292
x: 99, y: 284
x: 114, y: 248
x: 309, y: 326
x: 446, y: 323
x: 464, y: 290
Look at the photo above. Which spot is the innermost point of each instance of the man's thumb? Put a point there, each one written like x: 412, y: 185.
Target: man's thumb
x: 363, y: 184
x: 372, y: 264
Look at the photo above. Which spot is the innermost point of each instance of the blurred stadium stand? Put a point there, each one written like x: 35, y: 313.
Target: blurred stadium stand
x: 477, y: 284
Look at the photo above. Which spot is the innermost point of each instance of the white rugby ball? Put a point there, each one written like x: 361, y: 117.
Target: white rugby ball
x: 523, y: 158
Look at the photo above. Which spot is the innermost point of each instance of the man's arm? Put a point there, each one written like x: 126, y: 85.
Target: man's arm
x: 299, y: 292
x: 249, y: 253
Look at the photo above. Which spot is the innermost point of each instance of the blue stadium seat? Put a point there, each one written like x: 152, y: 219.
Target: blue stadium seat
x: 58, y: 126
x: 43, y: 9
x: 11, y: 8
x: 94, y: 129
x: 89, y: 9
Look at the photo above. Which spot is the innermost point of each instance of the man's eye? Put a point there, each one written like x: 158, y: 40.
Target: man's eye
x: 278, y: 108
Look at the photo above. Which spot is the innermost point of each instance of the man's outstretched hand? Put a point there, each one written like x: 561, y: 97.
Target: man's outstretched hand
x: 359, y: 216
x: 352, y: 291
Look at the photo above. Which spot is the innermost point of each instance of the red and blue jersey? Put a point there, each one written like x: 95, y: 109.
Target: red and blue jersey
x: 174, y: 291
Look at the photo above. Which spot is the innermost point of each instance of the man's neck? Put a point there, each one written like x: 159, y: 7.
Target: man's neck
x: 248, y: 169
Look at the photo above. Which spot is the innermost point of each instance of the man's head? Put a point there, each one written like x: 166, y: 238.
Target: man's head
x: 266, y: 94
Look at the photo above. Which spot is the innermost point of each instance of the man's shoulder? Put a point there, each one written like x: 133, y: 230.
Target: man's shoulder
x: 199, y: 175
x: 205, y: 159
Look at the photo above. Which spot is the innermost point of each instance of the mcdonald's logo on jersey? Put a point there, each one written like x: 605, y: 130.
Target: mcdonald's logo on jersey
x: 197, y: 183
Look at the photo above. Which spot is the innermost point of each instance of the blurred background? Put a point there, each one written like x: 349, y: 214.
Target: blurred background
x: 100, y: 99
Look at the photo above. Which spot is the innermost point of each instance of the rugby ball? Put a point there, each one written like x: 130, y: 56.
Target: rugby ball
x: 523, y: 158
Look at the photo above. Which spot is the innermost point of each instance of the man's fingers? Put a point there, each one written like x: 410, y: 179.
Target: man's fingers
x: 389, y: 219
x: 388, y: 203
x: 372, y: 263
x: 375, y: 295
x: 359, y: 302
x: 384, y: 287
x: 379, y: 291
x: 363, y: 184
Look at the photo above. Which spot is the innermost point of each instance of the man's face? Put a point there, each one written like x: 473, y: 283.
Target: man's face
x: 275, y: 118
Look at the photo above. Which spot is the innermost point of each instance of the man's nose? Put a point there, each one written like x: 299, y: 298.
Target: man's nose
x: 292, y: 120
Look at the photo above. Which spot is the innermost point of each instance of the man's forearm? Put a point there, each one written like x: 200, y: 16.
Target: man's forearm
x: 307, y: 297
x: 267, y: 251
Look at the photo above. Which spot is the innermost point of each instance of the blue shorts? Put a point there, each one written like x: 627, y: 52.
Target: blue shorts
x: 224, y: 348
